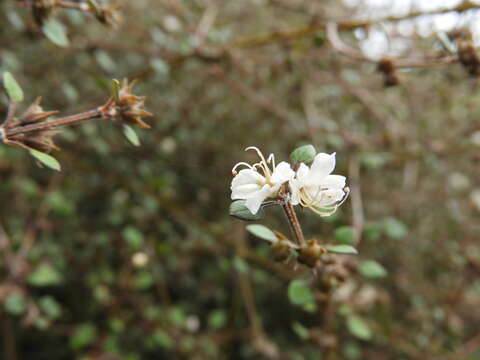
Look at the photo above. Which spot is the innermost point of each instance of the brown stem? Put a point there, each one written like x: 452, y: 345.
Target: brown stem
x: 8, y: 338
x: 67, y: 120
x: 293, y: 222
x: 12, y: 106
x: 71, y: 5
x: 309, y: 30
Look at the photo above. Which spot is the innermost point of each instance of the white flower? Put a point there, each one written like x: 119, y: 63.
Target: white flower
x: 314, y: 187
x: 254, y: 187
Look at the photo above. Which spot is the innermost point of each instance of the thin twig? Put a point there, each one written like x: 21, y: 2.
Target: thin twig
x: 64, y: 121
x: 293, y: 222
x: 356, y: 196
x: 342, y: 48
x: 291, y: 34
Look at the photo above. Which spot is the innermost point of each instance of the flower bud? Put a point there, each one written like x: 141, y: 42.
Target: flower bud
x: 281, y: 250
x: 310, y: 253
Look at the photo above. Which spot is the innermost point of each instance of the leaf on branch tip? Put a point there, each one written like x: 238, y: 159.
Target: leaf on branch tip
x: 240, y: 211
x: 14, y: 90
x: 131, y: 135
x: 55, y: 31
x: 372, y: 269
x: 342, y: 249
x: 358, y: 327
x: 299, y: 293
x: 46, y: 160
x: 262, y: 232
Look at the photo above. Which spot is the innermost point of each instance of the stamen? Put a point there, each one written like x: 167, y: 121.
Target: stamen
x: 234, y: 169
x: 263, y: 162
x: 271, y: 160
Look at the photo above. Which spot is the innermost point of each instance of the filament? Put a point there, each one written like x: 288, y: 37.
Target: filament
x: 263, y: 163
x: 234, y: 170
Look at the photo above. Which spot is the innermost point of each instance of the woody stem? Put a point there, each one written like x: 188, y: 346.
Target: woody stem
x: 293, y: 222
x: 47, y: 125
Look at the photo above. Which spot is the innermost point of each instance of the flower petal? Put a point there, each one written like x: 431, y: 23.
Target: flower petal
x: 333, y: 182
x: 247, y: 176
x: 294, y: 191
x: 256, y: 199
x: 302, y: 173
x: 322, y: 166
x: 282, y: 173
x: 330, y: 197
x: 244, y: 191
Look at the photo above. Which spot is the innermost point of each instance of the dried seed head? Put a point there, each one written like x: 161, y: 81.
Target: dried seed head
x: 468, y: 57
x: 127, y: 107
x: 39, y: 140
x: 387, y: 68
x: 33, y: 114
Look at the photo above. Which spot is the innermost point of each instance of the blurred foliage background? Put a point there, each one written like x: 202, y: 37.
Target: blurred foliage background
x: 129, y: 252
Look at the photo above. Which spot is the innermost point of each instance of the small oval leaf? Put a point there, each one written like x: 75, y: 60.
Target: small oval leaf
x: 45, y: 275
x: 55, y: 31
x: 14, y: 90
x: 299, y: 293
x: 262, y: 232
x: 342, y: 249
x: 372, y: 270
x: 240, y: 211
x: 46, y: 160
x: 358, y: 327
x: 131, y: 135
x: 305, y: 154
x: 344, y: 235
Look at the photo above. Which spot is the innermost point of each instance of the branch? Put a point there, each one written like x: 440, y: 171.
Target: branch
x: 295, y: 33
x: 342, y: 48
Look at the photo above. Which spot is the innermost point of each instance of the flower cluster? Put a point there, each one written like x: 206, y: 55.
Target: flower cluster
x: 311, y: 187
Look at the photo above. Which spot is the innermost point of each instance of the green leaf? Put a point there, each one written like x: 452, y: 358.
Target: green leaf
x: 299, y: 293
x: 177, y: 316
x: 352, y: 351
x: 373, y: 161
x: 358, y: 327
x: 394, y: 228
x: 302, y: 332
x: 262, y: 232
x: 240, y: 265
x: 131, y: 135
x: 45, y: 275
x: 372, y: 270
x: 217, y: 319
x: 162, y: 339
x: 372, y: 231
x: 133, y: 237
x: 342, y: 249
x: 240, y: 211
x: 50, y: 307
x: 14, y: 90
x: 55, y: 31
x: 344, y: 235
x: 15, y: 304
x: 83, y: 336
x: 305, y: 154
x: 46, y: 160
